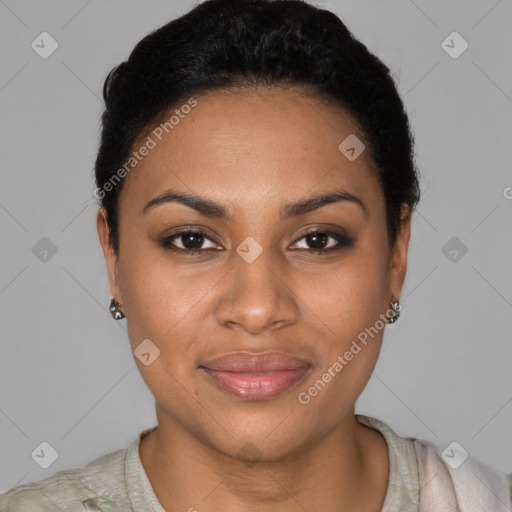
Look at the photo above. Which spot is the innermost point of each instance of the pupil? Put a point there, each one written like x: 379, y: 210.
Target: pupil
x: 188, y: 241
x: 316, y: 237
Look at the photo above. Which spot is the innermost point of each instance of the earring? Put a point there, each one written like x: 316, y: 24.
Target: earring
x: 396, y: 307
x: 115, y: 310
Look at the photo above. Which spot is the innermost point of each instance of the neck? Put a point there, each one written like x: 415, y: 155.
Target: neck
x: 345, y: 470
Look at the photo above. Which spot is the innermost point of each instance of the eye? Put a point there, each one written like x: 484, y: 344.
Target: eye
x: 320, y: 241
x: 191, y: 242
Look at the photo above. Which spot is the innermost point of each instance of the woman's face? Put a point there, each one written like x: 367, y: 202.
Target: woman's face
x: 255, y: 283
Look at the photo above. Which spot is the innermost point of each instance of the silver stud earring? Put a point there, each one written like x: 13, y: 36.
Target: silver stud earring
x: 115, y: 309
x: 396, y: 307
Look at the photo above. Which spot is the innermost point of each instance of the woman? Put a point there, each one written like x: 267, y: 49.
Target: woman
x: 256, y: 184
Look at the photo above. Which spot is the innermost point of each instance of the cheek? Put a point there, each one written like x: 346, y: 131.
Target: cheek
x: 351, y: 295
x: 351, y: 347
x: 171, y: 311
x: 348, y: 306
x: 155, y: 294
x: 176, y: 394
x: 334, y: 389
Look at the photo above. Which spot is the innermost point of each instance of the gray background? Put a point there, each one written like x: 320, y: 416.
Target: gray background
x: 67, y: 375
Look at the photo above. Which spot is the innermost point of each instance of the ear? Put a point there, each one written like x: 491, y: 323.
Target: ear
x: 109, y: 254
x: 399, y: 252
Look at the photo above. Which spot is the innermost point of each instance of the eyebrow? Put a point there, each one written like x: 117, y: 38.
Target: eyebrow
x: 215, y: 210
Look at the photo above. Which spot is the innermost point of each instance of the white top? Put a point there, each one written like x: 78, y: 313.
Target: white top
x: 118, y: 482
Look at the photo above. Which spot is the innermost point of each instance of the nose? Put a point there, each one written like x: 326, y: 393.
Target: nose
x: 257, y: 297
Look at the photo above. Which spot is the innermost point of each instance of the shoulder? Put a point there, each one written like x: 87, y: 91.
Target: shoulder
x: 451, y: 472
x: 447, y: 475
x: 24, y: 498
x: 62, y: 491
x: 100, y: 481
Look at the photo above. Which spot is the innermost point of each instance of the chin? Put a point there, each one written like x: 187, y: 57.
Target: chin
x: 258, y: 437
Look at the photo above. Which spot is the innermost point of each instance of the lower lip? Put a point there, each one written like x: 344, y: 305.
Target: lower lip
x: 256, y: 385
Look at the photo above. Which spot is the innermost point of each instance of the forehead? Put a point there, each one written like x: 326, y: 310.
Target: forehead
x: 252, y: 147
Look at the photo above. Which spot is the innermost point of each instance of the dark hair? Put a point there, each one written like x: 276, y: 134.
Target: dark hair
x: 231, y: 43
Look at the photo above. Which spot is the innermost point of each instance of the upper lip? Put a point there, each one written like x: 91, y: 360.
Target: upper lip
x: 255, y: 362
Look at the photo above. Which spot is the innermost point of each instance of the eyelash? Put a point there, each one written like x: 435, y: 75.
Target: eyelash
x: 343, y: 241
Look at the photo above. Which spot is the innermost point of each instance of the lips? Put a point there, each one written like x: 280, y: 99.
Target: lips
x: 255, y: 376
x: 255, y: 362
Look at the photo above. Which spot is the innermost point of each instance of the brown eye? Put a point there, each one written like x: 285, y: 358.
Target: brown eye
x: 191, y: 241
x: 317, y: 241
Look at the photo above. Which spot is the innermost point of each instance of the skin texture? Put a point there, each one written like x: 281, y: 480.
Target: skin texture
x: 253, y: 151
